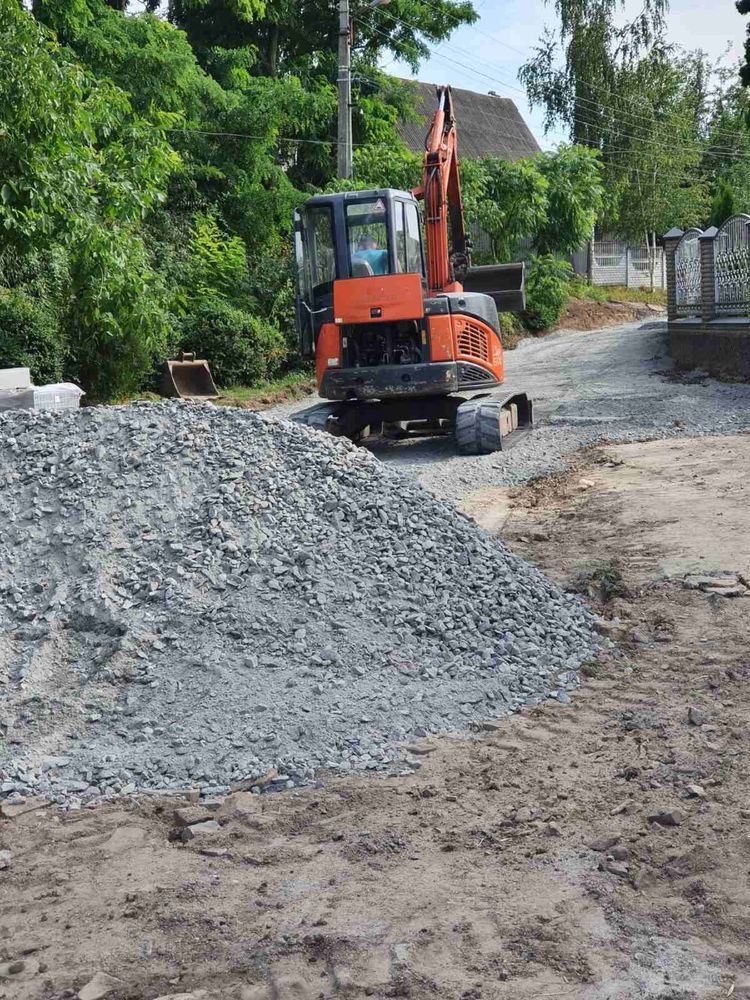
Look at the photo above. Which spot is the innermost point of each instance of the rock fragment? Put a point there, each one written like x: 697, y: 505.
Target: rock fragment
x: 100, y: 986
x: 604, y: 843
x: 199, y: 830
x: 696, y: 716
x: 667, y: 817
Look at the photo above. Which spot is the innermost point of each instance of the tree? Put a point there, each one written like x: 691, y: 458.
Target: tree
x: 657, y: 169
x: 724, y: 203
x: 80, y: 170
x: 577, y: 78
x: 301, y: 36
x: 575, y: 197
x: 548, y: 202
x: 507, y: 200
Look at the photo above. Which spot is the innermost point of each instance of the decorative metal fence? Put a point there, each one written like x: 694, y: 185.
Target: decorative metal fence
x: 732, y: 266
x: 687, y: 262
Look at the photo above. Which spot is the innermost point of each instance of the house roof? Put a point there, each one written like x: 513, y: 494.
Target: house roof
x: 487, y: 125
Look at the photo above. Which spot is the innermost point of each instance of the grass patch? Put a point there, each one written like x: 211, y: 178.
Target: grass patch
x: 294, y: 385
x: 592, y: 670
x: 600, y: 581
x: 617, y: 293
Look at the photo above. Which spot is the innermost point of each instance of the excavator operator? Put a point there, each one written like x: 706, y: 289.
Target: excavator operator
x: 368, y: 252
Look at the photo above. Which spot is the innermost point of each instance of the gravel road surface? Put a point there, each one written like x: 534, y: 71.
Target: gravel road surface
x: 615, y: 384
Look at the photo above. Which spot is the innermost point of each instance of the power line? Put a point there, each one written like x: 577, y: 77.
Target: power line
x: 722, y: 154
x: 525, y: 55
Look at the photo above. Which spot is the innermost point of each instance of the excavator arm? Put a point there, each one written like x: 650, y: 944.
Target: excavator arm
x: 447, y: 244
x: 441, y: 192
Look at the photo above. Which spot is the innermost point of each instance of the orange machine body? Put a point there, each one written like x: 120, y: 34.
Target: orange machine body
x: 395, y: 298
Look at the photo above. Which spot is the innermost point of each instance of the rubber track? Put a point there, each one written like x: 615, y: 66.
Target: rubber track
x: 477, y: 428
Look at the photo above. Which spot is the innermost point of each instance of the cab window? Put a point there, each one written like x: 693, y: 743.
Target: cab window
x: 367, y: 234
x: 320, y: 259
x: 413, y: 239
x: 408, y: 238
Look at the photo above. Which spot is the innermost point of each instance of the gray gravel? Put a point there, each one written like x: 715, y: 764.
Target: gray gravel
x: 192, y: 596
x: 587, y: 387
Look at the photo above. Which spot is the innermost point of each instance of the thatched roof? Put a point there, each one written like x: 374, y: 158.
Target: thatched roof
x: 487, y: 125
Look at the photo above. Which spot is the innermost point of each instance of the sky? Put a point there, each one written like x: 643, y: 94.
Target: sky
x: 487, y: 55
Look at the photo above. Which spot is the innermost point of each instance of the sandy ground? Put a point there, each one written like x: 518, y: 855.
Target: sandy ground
x: 521, y: 863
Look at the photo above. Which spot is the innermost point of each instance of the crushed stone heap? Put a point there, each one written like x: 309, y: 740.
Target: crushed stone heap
x: 195, y: 595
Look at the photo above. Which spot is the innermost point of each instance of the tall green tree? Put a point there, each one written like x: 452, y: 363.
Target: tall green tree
x: 301, y: 36
x: 575, y: 73
x: 81, y: 169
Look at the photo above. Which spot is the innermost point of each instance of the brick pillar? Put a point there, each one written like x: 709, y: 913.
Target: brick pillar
x: 708, y: 275
x: 671, y: 239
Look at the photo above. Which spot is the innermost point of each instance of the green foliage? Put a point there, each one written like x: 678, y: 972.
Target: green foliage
x: 508, y: 200
x: 386, y: 166
x: 116, y: 321
x: 301, y: 36
x: 576, y: 76
x: 646, y: 106
x: 724, y: 203
x: 217, y: 263
x: 241, y: 348
x: 575, y: 197
x: 547, y: 286
x: 552, y: 199
x: 30, y: 336
x: 72, y: 150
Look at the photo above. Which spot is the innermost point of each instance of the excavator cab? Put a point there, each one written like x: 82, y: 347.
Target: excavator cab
x: 355, y: 235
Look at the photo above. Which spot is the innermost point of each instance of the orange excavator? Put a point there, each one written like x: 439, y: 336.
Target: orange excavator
x: 405, y: 333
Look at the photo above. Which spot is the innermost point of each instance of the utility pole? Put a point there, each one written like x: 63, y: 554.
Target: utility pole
x: 345, y: 92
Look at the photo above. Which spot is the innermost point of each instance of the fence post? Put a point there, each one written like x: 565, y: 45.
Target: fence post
x: 671, y: 239
x: 708, y: 274
x: 627, y: 267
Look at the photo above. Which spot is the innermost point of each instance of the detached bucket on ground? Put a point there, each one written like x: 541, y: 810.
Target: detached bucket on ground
x: 188, y: 378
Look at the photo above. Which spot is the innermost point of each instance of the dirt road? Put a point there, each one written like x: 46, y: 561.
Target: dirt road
x: 595, y: 849
x: 480, y: 875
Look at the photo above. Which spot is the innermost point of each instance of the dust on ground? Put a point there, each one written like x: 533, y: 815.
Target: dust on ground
x: 596, y: 850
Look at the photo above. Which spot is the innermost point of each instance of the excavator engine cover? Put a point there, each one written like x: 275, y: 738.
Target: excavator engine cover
x: 505, y: 283
x: 188, y: 378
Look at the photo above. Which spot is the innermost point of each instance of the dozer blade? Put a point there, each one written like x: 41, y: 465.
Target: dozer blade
x: 505, y: 283
x: 188, y: 379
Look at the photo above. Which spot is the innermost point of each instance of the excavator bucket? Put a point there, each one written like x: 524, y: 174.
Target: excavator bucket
x: 505, y: 283
x: 188, y: 379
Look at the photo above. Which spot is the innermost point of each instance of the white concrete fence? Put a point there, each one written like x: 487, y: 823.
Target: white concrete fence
x: 611, y: 262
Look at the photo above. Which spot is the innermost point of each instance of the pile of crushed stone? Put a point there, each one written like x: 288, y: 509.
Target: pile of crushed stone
x: 195, y: 596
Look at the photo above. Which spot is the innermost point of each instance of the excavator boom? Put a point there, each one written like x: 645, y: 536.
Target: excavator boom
x: 448, y: 250
x: 441, y: 192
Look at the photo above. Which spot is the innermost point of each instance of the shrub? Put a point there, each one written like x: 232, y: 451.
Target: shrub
x: 30, y: 336
x: 547, y: 289
x: 117, y: 323
x: 217, y: 263
x: 241, y: 349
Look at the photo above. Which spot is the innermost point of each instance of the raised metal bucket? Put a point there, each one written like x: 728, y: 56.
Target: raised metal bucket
x: 188, y: 379
x: 505, y: 283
